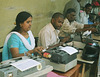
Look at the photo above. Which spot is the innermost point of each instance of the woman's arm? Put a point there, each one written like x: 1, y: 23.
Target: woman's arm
x: 15, y: 51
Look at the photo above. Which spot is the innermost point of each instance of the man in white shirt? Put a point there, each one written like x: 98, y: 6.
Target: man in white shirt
x: 85, y: 14
x: 70, y: 26
x: 48, y: 35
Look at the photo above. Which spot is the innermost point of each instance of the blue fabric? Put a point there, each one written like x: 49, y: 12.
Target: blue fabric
x: 14, y: 42
x: 5, y: 53
x: 90, y: 22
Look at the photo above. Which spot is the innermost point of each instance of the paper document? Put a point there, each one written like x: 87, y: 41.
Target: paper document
x: 23, y: 65
x: 69, y: 50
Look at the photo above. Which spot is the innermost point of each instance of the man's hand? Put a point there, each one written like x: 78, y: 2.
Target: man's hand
x: 93, y: 29
x: 65, y: 39
x: 78, y: 30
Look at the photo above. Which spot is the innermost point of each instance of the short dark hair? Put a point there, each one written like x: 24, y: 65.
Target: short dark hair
x: 70, y: 10
x: 88, y: 5
x: 57, y: 14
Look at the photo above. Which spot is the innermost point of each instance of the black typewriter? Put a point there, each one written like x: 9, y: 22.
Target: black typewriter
x: 60, y: 56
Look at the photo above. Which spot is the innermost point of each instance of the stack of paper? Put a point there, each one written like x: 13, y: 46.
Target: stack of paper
x: 23, y: 65
x: 69, y: 50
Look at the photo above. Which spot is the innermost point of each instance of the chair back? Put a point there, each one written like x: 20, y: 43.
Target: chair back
x: 1, y: 54
x: 36, y: 41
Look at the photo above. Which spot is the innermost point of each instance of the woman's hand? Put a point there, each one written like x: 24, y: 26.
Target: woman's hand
x: 38, y: 50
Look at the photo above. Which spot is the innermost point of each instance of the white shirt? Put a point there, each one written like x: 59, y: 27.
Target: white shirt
x: 84, y: 17
x: 69, y: 28
x: 48, y: 36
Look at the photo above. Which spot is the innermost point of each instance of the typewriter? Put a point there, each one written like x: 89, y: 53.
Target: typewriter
x: 7, y: 70
x: 60, y: 60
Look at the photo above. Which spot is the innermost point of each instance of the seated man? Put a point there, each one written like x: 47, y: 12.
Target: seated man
x: 48, y: 35
x: 70, y: 26
x: 84, y: 16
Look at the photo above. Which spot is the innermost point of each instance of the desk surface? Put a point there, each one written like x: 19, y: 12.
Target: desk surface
x: 95, y: 37
x: 82, y: 60
x: 81, y: 45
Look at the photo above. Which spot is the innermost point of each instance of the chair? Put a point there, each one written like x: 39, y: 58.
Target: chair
x: 1, y: 54
x: 36, y: 41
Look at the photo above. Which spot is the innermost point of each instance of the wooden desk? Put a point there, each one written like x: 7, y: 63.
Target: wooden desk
x: 74, y: 72
x: 98, y: 65
x: 84, y: 63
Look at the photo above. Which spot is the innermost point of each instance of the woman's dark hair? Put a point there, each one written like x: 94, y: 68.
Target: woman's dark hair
x: 70, y: 10
x: 21, y: 17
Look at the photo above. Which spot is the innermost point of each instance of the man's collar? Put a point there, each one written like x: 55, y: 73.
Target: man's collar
x: 68, y: 20
x: 52, y: 27
x: 87, y: 15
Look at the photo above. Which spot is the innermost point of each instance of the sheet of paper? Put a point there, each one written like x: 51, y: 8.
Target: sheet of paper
x: 23, y: 65
x: 69, y: 50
